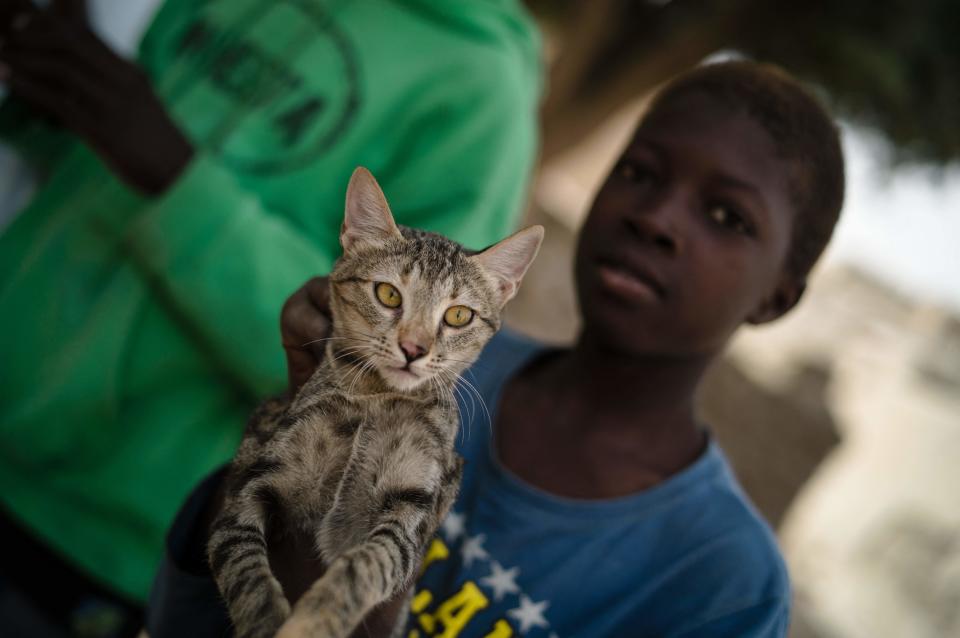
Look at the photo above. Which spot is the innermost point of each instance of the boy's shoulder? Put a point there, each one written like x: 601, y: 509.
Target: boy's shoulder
x: 725, y: 560
x: 721, y: 515
x: 718, y: 564
x: 705, y: 561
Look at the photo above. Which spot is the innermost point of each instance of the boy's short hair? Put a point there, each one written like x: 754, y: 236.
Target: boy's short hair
x: 802, y: 132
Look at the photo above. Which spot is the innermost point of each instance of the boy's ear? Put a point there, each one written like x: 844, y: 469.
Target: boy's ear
x: 507, y: 261
x: 367, y: 218
x: 784, y: 297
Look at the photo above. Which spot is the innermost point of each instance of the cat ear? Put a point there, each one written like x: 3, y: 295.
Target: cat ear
x: 507, y: 261
x: 367, y: 218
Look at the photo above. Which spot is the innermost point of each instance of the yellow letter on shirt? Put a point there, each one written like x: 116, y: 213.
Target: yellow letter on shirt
x: 455, y: 612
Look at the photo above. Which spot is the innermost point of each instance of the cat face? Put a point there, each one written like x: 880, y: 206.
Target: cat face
x: 414, y: 307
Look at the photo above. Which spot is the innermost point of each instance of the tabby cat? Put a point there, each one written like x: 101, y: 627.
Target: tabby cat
x: 362, y: 458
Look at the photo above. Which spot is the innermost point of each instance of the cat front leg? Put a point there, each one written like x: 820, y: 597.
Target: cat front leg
x: 367, y: 574
x: 237, y: 552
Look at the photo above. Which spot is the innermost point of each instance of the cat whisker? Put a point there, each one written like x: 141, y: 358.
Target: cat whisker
x: 308, y: 343
x: 451, y: 380
x: 450, y: 393
x: 346, y: 352
x: 483, y: 404
x: 355, y: 368
x: 450, y: 396
x: 367, y: 365
x: 356, y: 354
x: 442, y: 384
x: 443, y: 391
x: 455, y: 377
x: 470, y: 364
x: 464, y: 431
x: 352, y: 331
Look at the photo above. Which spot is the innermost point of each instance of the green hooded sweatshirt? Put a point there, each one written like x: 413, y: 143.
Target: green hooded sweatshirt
x: 137, y: 333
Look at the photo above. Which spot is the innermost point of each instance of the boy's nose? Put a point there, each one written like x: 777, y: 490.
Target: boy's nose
x: 412, y: 351
x: 654, y: 227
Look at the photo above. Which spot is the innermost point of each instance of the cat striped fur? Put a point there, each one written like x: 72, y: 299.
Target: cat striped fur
x: 362, y: 458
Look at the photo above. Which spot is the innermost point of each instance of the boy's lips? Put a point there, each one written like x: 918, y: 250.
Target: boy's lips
x: 631, y: 279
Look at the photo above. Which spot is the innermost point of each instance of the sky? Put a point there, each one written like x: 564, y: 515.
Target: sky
x: 901, y: 225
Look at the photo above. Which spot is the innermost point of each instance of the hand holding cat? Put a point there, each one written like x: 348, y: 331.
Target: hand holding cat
x: 52, y: 60
x: 305, y: 324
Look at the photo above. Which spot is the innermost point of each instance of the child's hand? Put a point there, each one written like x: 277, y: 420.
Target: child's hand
x: 305, y: 323
x: 53, y: 61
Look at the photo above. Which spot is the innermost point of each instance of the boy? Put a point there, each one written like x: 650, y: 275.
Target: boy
x: 599, y: 506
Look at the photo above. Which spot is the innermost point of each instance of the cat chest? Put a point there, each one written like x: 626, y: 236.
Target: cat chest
x: 368, y: 446
x: 321, y: 442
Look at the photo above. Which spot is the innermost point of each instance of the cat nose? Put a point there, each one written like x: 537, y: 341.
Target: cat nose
x: 412, y: 351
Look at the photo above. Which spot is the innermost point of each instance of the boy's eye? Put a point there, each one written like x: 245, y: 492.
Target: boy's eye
x: 727, y: 216
x: 388, y: 295
x: 457, y: 316
x: 633, y: 171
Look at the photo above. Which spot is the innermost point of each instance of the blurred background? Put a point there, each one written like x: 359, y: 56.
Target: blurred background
x: 843, y: 420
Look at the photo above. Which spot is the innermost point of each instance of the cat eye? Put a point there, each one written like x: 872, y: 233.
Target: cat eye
x: 388, y: 295
x: 457, y: 316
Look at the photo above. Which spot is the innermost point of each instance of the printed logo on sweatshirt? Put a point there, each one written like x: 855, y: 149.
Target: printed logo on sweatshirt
x: 448, y: 614
x: 287, y: 76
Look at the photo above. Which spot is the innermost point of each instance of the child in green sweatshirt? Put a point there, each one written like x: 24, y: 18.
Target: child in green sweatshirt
x: 140, y: 288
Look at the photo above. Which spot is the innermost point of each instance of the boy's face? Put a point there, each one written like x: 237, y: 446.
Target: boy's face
x: 688, y: 237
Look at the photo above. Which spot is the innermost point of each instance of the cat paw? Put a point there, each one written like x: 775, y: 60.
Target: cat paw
x: 303, y: 626
x: 265, y: 623
x: 293, y: 628
x: 298, y: 627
